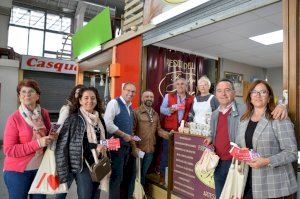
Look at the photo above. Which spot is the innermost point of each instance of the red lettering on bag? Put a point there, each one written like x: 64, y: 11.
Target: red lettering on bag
x: 41, y: 180
x: 53, y: 181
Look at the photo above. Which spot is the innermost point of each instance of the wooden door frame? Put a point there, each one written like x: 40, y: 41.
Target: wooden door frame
x: 291, y: 69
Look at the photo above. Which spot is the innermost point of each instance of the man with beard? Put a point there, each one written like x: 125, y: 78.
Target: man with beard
x: 146, y: 125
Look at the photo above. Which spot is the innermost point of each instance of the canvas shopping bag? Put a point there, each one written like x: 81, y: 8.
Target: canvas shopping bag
x: 139, y: 192
x: 46, y: 180
x: 209, y: 161
x: 234, y: 184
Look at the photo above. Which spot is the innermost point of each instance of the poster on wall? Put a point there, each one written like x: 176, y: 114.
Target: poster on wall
x: 188, y: 180
x: 237, y: 80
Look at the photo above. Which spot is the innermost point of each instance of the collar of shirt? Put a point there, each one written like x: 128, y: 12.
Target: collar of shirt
x: 144, y: 109
x: 125, y: 102
x: 226, y: 109
x: 180, y: 100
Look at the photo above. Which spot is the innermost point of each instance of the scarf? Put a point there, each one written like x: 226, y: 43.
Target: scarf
x: 35, y: 120
x: 92, y: 121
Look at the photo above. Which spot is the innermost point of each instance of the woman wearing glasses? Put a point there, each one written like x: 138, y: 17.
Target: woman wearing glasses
x: 25, y: 136
x: 271, y: 175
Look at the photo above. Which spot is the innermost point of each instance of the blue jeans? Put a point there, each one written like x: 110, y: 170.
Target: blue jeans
x: 18, y: 184
x: 220, y: 175
x: 145, y: 164
x: 164, y: 157
x: 123, y: 172
x: 86, y: 188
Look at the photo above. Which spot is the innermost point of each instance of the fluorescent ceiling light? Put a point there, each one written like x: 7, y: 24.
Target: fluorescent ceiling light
x: 90, y: 52
x: 97, y: 71
x: 269, y: 38
x: 181, y: 8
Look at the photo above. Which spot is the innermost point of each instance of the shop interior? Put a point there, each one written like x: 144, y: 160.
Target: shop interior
x: 231, y: 44
x: 230, y: 40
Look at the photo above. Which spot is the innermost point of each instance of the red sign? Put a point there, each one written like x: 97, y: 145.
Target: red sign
x: 48, y: 65
x: 188, y: 180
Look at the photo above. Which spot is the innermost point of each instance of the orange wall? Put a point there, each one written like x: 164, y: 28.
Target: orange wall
x: 128, y: 55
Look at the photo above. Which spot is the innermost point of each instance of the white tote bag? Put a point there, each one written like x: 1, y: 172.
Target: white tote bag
x: 46, y: 180
x: 234, y: 184
x: 209, y: 161
x: 139, y: 192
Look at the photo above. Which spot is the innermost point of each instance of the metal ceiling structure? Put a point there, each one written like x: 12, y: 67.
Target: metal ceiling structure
x: 68, y: 7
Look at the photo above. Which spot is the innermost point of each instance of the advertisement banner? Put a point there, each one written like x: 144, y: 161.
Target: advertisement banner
x: 165, y: 66
x: 188, y: 180
x: 48, y: 65
x: 153, y: 8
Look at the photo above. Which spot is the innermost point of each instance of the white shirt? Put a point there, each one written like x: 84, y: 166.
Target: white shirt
x: 113, y: 109
x: 63, y: 114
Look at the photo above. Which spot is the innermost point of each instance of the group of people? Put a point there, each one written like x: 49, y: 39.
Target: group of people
x: 258, y: 124
x: 27, y: 134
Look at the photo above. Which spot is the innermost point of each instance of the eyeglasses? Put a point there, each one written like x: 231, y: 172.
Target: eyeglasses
x: 227, y: 90
x: 30, y: 92
x: 262, y: 93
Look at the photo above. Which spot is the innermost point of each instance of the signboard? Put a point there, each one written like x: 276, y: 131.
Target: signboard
x: 94, y: 33
x: 48, y: 65
x: 187, y: 180
x: 153, y: 8
x: 165, y: 66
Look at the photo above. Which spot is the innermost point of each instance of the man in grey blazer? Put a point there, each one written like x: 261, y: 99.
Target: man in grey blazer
x: 224, y: 126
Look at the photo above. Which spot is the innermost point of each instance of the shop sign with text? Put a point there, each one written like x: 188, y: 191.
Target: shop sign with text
x: 48, y: 65
x: 188, y: 180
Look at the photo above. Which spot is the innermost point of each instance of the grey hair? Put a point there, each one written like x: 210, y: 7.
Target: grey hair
x: 124, y: 85
x: 205, y: 78
x: 182, y: 79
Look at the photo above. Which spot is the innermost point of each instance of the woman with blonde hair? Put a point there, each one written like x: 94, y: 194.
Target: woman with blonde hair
x: 204, y: 103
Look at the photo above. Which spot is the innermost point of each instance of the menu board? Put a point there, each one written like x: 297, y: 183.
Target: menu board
x: 188, y: 181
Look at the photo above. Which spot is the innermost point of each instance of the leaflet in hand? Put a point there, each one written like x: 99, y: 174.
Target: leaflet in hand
x: 136, y: 138
x: 242, y: 154
x: 111, y: 144
x: 180, y: 106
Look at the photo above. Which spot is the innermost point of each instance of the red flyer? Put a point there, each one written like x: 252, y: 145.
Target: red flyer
x: 180, y: 106
x: 242, y: 154
x: 113, y: 143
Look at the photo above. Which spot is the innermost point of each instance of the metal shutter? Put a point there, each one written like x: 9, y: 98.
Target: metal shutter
x: 55, y: 88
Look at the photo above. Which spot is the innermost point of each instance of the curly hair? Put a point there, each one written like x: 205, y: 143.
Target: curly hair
x: 99, y: 107
x: 71, y: 99
x: 250, y: 108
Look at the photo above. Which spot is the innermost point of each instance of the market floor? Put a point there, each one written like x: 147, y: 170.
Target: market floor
x: 71, y: 195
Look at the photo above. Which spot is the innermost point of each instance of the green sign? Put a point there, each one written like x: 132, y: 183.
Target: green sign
x: 94, y: 33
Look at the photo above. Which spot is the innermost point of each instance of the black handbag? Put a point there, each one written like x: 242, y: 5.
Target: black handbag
x: 100, y: 168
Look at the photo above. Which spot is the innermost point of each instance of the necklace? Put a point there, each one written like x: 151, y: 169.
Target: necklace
x: 149, y: 113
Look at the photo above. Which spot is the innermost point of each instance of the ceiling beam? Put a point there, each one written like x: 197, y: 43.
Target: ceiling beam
x: 42, y: 6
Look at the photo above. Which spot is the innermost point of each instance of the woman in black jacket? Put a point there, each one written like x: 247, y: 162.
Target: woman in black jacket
x: 81, y: 132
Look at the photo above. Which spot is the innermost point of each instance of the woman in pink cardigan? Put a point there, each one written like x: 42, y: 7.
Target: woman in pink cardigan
x: 25, y: 136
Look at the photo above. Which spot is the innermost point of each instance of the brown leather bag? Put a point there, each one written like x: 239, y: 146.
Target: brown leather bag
x: 100, y: 168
